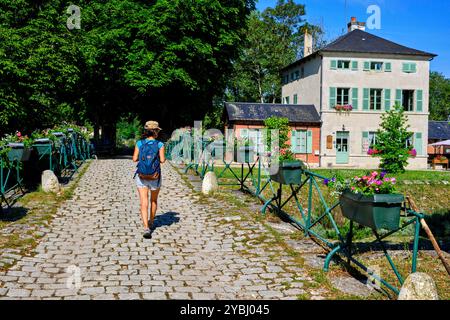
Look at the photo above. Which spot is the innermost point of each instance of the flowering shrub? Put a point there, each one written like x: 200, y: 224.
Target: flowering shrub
x: 413, y: 153
x: 347, y: 107
x: 370, y: 184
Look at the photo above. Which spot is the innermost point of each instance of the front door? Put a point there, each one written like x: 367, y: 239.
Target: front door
x: 342, y: 149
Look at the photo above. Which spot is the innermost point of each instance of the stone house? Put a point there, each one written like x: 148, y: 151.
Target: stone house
x: 352, y: 82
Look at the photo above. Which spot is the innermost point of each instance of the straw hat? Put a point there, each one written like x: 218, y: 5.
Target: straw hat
x: 151, y: 125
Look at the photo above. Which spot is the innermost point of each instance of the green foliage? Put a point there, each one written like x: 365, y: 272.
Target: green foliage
x: 170, y: 56
x: 439, y: 97
x: 282, y: 125
x: 391, y: 140
x: 129, y: 129
x: 273, y: 40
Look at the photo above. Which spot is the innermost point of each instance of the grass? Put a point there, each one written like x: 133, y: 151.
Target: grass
x: 34, y: 211
x: 411, y: 175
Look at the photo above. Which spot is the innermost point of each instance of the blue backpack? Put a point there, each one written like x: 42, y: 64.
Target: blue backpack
x: 149, y: 166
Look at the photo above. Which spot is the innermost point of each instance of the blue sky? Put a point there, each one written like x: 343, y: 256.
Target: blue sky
x: 420, y: 24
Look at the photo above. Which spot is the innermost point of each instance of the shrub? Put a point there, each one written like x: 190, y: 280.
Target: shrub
x: 391, y: 141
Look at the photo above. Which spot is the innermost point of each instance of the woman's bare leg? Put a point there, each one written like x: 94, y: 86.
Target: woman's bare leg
x: 154, y: 205
x: 143, y: 195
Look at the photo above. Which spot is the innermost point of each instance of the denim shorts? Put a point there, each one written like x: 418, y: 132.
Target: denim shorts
x: 151, y: 184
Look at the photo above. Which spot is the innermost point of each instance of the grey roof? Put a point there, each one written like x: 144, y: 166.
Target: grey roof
x: 358, y: 41
x: 439, y: 130
x: 242, y: 111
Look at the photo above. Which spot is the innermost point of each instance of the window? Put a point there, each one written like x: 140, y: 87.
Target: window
x: 301, y: 141
x: 286, y: 100
x: 376, y: 66
x: 410, y: 142
x: 343, y: 64
x: 343, y: 96
x: 295, y: 99
x: 372, y: 138
x: 297, y: 75
x: 409, y: 67
x: 375, y: 99
x: 303, y: 72
x: 408, y: 100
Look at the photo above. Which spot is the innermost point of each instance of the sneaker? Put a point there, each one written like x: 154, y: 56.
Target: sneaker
x: 147, y: 234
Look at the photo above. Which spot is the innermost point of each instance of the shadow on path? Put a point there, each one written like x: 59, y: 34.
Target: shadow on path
x: 166, y: 219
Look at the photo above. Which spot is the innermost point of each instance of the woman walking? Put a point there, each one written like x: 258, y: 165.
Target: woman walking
x: 149, y: 154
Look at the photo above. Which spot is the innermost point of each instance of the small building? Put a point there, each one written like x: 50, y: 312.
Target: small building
x: 352, y: 82
x: 438, y: 131
x: 247, y: 121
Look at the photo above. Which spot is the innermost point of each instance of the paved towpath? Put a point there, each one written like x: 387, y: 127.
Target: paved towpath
x: 94, y: 248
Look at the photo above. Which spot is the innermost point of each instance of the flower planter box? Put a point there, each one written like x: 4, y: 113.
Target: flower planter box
x: 18, y: 152
x: 379, y: 211
x: 42, y: 146
x: 245, y: 154
x: 61, y: 137
x: 289, y: 172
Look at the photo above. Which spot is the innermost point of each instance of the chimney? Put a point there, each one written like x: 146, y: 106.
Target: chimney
x: 355, y: 25
x: 308, y: 44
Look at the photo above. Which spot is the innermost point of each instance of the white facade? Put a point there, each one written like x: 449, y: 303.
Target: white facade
x: 402, y: 78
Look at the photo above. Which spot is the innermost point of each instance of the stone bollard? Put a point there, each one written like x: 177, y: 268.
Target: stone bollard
x: 50, y: 182
x: 209, y: 183
x: 418, y: 286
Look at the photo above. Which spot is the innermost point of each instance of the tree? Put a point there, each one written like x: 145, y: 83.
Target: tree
x: 162, y: 59
x: 439, y: 97
x: 391, y: 140
x: 274, y: 39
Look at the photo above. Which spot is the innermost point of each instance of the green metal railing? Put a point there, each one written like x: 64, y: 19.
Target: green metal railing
x: 256, y: 181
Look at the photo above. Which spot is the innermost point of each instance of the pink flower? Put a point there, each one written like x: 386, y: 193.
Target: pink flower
x: 19, y: 134
x: 353, y: 188
x: 374, y: 174
x: 379, y: 183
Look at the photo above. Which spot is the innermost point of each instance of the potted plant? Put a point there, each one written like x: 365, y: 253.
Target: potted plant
x: 20, y: 147
x: 289, y: 169
x: 285, y: 169
x: 42, y: 140
x: 371, y: 201
x: 244, y: 150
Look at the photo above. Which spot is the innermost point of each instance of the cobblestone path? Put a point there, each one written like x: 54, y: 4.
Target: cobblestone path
x: 198, y: 251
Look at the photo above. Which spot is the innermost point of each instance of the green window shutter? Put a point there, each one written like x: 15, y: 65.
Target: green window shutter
x: 413, y: 67
x: 355, y: 98
x: 302, y: 141
x: 387, y: 67
x: 418, y: 143
x: 366, y: 99
x: 406, y: 67
x: 355, y: 65
x: 387, y: 99
x: 309, y: 139
x: 295, y: 99
x: 333, y: 64
x: 419, y: 98
x: 398, y: 96
x: 366, y: 65
x: 294, y: 141
x: 333, y: 97
x: 365, y: 138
